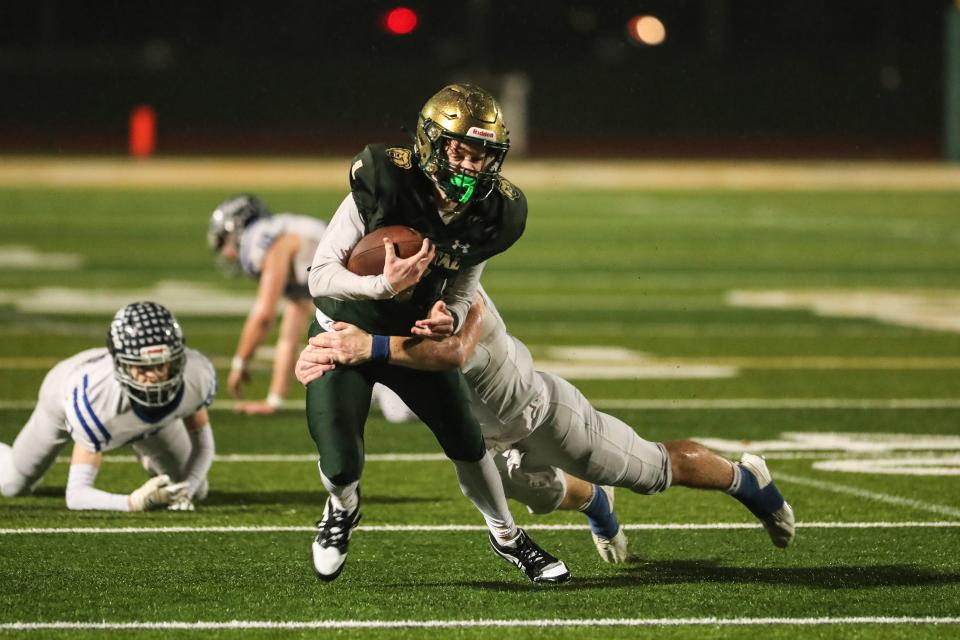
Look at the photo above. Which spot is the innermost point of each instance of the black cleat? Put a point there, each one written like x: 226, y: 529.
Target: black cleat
x: 539, y: 565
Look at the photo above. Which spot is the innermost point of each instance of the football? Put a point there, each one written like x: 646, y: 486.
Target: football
x: 367, y: 256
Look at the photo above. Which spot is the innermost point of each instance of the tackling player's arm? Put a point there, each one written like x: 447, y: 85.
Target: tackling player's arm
x: 82, y: 495
x: 273, y: 279
x: 457, y: 301
x: 350, y: 345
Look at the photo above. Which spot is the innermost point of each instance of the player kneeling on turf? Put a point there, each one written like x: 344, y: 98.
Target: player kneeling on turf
x: 144, y: 389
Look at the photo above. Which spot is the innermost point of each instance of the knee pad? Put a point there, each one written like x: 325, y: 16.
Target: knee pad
x: 12, y: 482
x: 16, y: 485
x: 540, y: 489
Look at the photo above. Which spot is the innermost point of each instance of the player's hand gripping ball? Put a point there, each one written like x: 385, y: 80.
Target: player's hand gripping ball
x: 368, y: 256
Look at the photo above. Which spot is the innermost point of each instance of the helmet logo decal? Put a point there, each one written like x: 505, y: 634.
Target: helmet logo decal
x: 484, y: 134
x: 356, y: 167
x: 467, y: 183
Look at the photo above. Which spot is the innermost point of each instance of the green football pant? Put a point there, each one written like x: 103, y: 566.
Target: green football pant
x: 338, y: 403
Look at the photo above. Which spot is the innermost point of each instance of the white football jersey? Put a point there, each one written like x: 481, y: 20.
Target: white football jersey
x: 508, y: 395
x: 98, y: 413
x: 260, y: 236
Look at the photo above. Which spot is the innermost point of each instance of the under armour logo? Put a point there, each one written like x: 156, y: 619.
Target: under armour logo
x: 461, y: 246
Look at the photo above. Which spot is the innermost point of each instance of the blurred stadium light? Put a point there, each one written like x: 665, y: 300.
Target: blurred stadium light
x: 400, y: 21
x: 648, y: 30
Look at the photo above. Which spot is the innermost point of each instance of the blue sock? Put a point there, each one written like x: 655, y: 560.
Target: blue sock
x: 602, y: 519
x: 746, y: 489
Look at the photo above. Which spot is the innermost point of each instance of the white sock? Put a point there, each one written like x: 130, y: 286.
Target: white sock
x: 343, y: 498
x: 735, y: 484
x: 480, y: 482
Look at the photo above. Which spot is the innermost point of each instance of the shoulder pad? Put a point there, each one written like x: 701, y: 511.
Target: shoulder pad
x: 508, y: 189
x: 363, y: 181
x: 401, y: 157
x: 201, y: 377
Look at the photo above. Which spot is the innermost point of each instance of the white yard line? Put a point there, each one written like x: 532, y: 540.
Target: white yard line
x: 296, y: 457
x: 675, y: 403
x: 414, y: 528
x: 603, y: 368
x: 439, y: 457
x: 876, y: 496
x: 481, y: 623
x: 778, y: 403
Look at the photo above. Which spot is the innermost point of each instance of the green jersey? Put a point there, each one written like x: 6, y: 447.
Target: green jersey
x: 389, y: 189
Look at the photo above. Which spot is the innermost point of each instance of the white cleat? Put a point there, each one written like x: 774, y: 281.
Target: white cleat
x: 780, y: 524
x: 329, y: 548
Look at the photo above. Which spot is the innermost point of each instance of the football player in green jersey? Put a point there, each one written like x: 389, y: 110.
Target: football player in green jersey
x: 446, y: 185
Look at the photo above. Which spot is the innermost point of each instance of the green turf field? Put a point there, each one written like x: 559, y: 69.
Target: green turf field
x: 821, y: 329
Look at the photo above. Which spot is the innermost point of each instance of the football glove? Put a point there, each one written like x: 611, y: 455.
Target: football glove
x: 182, y: 504
x: 157, y: 492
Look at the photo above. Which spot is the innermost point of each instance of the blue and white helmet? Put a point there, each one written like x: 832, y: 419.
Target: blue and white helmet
x: 146, y: 336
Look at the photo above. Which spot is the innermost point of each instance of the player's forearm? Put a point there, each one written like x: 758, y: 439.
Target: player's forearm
x: 283, y: 366
x: 202, y: 450
x: 425, y: 354
x: 332, y: 280
x: 328, y: 276
x: 459, y: 296
x: 255, y: 328
x: 354, y: 346
x: 82, y: 496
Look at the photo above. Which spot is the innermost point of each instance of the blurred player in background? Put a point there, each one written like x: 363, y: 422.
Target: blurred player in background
x: 276, y: 250
x: 540, y: 424
x: 146, y: 390
x: 448, y: 187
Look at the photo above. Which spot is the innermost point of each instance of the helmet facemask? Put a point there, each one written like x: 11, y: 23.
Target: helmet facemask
x: 459, y: 184
x: 160, y: 359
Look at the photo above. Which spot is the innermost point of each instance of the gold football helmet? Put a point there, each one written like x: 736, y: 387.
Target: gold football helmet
x: 469, y: 114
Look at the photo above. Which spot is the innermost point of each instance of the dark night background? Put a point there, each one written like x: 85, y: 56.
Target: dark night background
x: 818, y: 78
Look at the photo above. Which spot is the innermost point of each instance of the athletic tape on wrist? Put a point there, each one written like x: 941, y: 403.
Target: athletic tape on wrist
x: 381, y: 348
x: 238, y: 364
x: 274, y: 400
